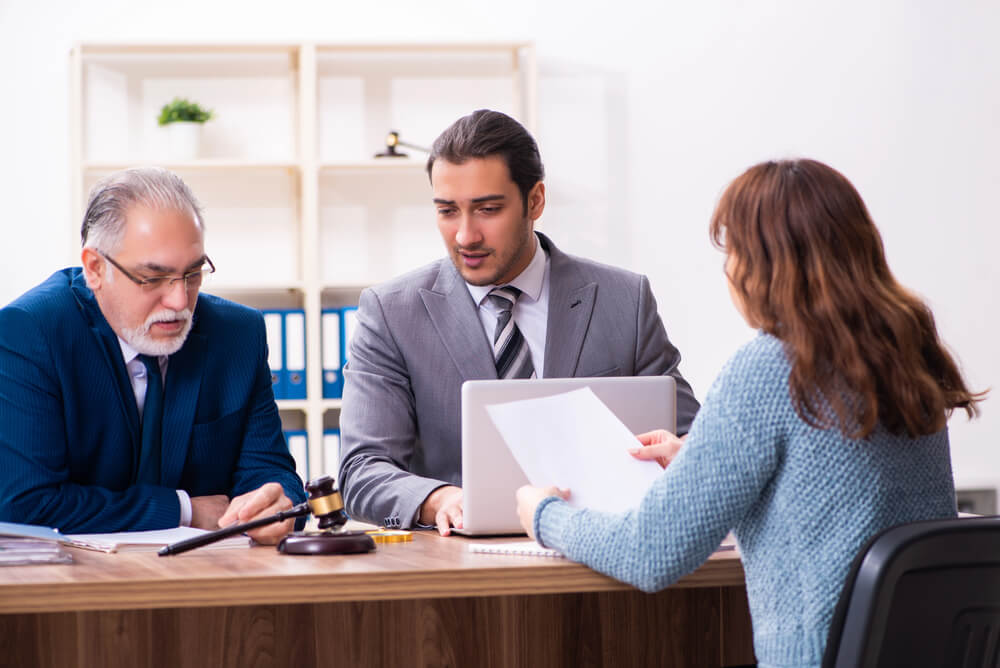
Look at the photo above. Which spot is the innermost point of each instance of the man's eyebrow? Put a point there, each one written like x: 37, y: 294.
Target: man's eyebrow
x: 488, y: 198
x: 474, y: 200
x: 160, y: 269
x: 197, y: 263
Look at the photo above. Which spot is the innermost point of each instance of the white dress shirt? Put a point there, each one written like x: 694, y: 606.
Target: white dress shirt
x: 531, y: 310
x: 137, y: 375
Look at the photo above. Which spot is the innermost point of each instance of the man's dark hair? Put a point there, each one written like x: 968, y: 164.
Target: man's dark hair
x: 486, y: 133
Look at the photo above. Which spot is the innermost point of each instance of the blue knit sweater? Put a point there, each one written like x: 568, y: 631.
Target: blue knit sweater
x: 800, y: 500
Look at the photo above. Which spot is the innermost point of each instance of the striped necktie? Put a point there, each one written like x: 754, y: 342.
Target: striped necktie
x: 510, y: 350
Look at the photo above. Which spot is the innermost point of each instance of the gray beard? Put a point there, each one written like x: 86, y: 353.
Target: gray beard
x: 141, y: 341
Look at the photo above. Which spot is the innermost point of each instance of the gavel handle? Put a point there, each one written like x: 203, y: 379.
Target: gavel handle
x: 206, y: 539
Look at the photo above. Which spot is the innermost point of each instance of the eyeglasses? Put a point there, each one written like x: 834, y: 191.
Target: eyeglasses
x: 191, y: 279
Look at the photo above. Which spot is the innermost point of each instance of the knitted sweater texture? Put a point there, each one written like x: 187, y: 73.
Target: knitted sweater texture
x: 800, y: 500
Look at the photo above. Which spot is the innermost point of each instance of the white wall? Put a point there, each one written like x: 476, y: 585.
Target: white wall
x: 645, y: 114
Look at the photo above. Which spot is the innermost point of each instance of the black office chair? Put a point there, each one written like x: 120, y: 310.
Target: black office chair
x: 922, y: 594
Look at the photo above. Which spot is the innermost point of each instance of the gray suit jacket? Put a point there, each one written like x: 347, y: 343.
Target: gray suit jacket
x: 419, y: 337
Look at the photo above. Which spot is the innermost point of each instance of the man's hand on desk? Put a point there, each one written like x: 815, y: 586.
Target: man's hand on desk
x: 206, y: 511
x: 443, y: 508
x: 266, y: 500
x: 659, y: 445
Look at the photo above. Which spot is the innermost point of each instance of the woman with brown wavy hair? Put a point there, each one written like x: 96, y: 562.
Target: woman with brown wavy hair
x: 825, y: 429
x: 808, y: 267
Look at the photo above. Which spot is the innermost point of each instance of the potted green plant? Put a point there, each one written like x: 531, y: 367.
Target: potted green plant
x: 183, y: 120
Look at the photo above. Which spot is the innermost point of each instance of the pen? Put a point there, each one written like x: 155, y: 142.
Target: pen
x: 198, y: 541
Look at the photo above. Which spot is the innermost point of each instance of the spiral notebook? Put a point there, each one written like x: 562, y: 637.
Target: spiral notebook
x: 527, y: 548
x: 533, y: 549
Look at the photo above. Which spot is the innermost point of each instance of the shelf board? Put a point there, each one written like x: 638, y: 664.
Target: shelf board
x: 214, y: 287
x: 429, y: 47
x: 190, y: 165
x: 182, y: 48
x: 333, y: 404
x: 374, y: 165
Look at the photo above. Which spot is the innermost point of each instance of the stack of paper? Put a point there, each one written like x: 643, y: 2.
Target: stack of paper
x: 24, y: 551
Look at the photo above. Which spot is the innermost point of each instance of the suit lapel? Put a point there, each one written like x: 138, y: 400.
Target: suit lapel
x: 180, y: 399
x: 110, y: 349
x: 454, y: 316
x: 571, y: 304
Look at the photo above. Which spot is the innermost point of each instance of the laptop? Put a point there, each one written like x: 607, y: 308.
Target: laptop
x: 491, y: 475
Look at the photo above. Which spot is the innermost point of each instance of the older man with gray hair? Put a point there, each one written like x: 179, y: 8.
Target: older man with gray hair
x: 129, y: 402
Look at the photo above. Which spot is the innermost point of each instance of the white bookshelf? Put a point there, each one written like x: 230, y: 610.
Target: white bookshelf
x: 299, y: 213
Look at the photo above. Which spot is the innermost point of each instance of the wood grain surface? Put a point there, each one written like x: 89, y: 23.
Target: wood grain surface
x: 430, y: 566
x: 425, y: 603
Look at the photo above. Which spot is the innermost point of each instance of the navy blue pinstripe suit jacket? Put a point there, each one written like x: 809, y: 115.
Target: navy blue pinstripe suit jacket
x: 69, y: 427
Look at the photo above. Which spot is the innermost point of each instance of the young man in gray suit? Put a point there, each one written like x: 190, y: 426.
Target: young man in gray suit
x: 506, y: 303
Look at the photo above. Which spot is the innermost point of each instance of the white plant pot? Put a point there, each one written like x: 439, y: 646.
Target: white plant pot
x: 183, y: 140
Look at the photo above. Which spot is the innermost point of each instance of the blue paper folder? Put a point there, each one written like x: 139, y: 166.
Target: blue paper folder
x: 295, y: 354
x: 333, y: 378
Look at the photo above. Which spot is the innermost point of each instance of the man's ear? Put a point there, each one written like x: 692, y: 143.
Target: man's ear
x: 93, y: 267
x: 536, y: 201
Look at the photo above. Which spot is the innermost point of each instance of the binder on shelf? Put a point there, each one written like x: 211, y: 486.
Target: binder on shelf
x: 333, y: 379
x: 298, y: 448
x: 274, y: 329
x: 295, y: 354
x: 331, y: 452
x: 348, y: 323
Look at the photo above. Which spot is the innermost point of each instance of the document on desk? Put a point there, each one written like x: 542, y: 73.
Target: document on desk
x: 573, y: 440
x: 124, y: 541
x: 141, y: 541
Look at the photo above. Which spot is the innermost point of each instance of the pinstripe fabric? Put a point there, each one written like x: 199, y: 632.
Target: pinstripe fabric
x: 510, y: 350
x: 69, y: 428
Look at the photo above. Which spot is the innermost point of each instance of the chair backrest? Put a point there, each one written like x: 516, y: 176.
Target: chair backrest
x: 922, y: 594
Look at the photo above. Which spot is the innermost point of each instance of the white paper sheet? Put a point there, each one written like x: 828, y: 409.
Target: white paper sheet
x: 131, y: 541
x: 122, y: 541
x: 573, y: 440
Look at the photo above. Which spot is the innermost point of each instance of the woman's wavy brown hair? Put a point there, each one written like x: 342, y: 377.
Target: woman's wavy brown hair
x: 808, y: 262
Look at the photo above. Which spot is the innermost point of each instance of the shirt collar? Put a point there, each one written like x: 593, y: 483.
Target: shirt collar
x: 128, y: 352
x: 529, y: 281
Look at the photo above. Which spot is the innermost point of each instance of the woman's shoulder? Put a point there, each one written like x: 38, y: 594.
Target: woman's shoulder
x: 749, y: 400
x: 764, y: 354
x: 757, y: 370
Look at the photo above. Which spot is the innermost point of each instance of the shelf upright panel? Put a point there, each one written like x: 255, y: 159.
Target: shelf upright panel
x: 309, y: 252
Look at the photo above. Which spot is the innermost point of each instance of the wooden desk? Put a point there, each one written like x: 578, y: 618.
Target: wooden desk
x: 424, y: 603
